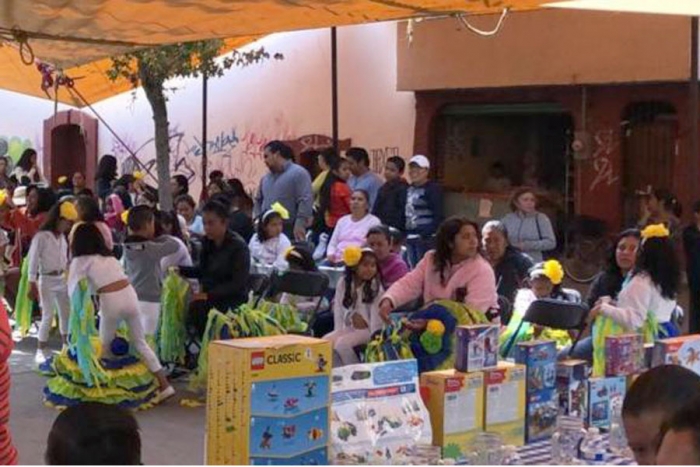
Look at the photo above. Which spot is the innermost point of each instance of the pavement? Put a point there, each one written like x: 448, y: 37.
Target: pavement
x: 170, y: 434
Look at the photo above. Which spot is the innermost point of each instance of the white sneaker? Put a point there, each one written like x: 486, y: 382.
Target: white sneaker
x: 40, y: 357
x: 320, y: 251
x: 166, y: 394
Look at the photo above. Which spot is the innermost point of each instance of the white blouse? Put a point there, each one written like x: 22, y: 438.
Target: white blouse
x: 638, y: 297
x: 271, y: 251
x: 100, y: 271
x: 48, y: 253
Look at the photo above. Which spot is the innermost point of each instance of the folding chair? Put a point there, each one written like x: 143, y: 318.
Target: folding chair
x: 258, y: 285
x: 305, y: 284
x: 555, y: 314
x: 506, y: 309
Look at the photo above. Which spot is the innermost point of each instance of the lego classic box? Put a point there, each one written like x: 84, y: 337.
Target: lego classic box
x: 268, y: 401
x: 456, y: 405
x: 504, y: 389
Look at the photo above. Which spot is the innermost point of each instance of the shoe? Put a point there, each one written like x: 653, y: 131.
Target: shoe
x: 320, y: 251
x: 166, y: 394
x: 40, y: 357
x: 46, y: 368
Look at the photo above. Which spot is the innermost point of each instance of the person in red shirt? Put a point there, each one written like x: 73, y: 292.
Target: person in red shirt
x: 8, y: 453
x: 335, y: 194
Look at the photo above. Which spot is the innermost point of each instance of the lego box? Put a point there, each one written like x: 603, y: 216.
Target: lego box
x: 477, y: 348
x: 683, y: 350
x: 540, y: 358
x: 456, y: 405
x: 541, y: 417
x: 601, y: 393
x: 624, y: 355
x: 504, y: 389
x: 268, y: 401
x: 572, y: 387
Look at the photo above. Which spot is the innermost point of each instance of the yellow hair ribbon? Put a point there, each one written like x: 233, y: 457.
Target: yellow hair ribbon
x: 138, y: 175
x: 62, y: 179
x: 655, y: 231
x: 125, y: 217
x: 68, y: 211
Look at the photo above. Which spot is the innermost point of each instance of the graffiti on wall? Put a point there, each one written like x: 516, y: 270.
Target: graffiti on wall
x: 13, y: 146
x: 605, y: 144
x: 378, y: 157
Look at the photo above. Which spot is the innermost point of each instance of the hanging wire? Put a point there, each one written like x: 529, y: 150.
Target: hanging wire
x: 462, y: 19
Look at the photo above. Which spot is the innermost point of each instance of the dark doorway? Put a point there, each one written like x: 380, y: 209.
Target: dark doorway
x: 69, y: 151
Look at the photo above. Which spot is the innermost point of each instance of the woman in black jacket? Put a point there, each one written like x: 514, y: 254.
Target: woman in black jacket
x: 623, y: 256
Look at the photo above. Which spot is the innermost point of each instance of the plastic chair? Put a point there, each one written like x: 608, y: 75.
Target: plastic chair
x: 305, y: 284
x: 555, y: 314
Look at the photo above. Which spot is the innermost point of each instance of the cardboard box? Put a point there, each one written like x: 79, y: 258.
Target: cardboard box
x: 541, y: 417
x: 572, y: 387
x: 540, y: 358
x: 683, y: 350
x: 504, y: 400
x: 268, y: 401
x: 601, y: 393
x: 456, y: 405
x: 477, y: 347
x: 624, y: 355
x: 648, y: 355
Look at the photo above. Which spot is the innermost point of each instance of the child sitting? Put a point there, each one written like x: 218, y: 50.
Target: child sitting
x: 269, y: 244
x: 545, y: 282
x: 142, y: 259
x: 391, y: 265
x: 356, y: 305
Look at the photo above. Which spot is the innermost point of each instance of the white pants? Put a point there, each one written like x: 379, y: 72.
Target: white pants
x: 124, y: 305
x: 344, y: 343
x: 150, y: 313
x: 53, y: 294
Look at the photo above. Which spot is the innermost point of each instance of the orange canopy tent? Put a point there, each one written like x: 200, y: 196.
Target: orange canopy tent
x: 78, y: 36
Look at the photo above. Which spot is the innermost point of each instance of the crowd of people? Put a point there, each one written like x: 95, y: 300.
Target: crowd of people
x: 67, y: 247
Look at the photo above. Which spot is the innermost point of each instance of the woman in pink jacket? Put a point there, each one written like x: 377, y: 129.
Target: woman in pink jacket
x: 455, y: 270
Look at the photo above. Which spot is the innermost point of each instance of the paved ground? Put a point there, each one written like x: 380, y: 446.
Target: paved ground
x: 170, y: 434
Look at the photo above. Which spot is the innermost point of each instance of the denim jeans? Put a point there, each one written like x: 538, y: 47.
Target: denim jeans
x: 416, y: 248
x: 583, y: 350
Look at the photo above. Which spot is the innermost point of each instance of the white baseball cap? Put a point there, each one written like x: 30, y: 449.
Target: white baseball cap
x: 420, y: 160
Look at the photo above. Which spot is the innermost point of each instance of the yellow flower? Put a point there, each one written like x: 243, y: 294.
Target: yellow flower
x: 125, y: 217
x: 655, y: 231
x: 68, y: 211
x: 554, y: 271
x: 436, y: 327
x: 352, y: 255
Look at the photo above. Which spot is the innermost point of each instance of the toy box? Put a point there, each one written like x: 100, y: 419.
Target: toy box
x: 683, y: 350
x: 477, y: 347
x: 268, y: 401
x: 504, y: 389
x: 648, y: 355
x: 540, y: 358
x: 624, y: 355
x: 601, y: 393
x: 572, y: 387
x: 377, y: 412
x: 456, y: 405
x: 541, y: 416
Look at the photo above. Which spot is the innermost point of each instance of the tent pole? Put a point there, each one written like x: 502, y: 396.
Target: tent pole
x: 334, y: 87
x: 205, y: 80
x: 694, y: 111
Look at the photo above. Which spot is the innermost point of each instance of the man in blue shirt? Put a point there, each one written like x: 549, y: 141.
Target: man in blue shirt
x: 289, y: 184
x: 424, y: 210
x: 362, y: 177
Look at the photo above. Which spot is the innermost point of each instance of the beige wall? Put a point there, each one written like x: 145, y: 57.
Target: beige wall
x: 547, y: 47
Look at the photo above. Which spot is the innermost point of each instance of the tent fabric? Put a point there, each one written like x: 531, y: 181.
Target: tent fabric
x: 71, y: 33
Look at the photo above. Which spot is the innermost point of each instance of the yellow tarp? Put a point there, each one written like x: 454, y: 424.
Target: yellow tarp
x: 69, y: 33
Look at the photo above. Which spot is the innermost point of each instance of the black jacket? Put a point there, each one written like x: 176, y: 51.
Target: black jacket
x: 390, y: 206
x: 511, y: 271
x: 605, y: 284
x: 691, y: 246
x: 223, y: 272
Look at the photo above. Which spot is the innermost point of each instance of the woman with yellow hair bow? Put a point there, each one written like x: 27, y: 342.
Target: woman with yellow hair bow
x: 545, y: 282
x: 647, y: 302
x: 48, y: 263
x: 356, y: 304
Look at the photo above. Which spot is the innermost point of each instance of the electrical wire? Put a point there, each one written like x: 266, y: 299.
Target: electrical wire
x: 462, y: 19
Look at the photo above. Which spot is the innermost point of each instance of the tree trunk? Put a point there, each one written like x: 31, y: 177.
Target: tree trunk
x: 153, y: 87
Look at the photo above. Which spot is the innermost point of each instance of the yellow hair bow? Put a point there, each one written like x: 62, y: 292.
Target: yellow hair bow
x: 3, y: 197
x: 68, y: 211
x: 279, y: 209
x: 554, y: 271
x: 62, y: 179
x: 125, y: 217
x: 655, y: 231
x: 138, y: 175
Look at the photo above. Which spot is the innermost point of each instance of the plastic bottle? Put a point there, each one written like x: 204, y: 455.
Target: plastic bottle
x: 511, y: 456
x: 566, y: 440
x: 592, y: 450
x: 618, y: 439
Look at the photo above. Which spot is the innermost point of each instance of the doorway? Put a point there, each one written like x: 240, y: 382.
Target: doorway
x: 69, y: 152
x: 70, y: 145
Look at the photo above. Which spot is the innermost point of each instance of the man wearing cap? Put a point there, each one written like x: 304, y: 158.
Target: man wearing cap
x: 424, y: 209
x: 362, y: 177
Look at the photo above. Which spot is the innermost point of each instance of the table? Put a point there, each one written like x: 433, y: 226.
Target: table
x: 540, y: 453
